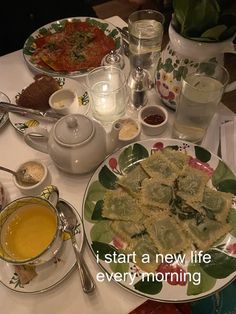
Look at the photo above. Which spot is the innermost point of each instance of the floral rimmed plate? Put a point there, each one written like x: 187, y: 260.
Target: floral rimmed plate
x: 50, y: 274
x: 29, y: 47
x: 222, y: 269
x: 20, y: 122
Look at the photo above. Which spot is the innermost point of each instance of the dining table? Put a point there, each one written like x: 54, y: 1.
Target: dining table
x: 68, y: 296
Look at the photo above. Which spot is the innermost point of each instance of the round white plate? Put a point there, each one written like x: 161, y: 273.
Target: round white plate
x: 20, y: 122
x: 102, y: 239
x: 29, y: 47
x: 49, y: 274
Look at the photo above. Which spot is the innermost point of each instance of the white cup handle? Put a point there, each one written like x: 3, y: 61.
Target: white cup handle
x: 39, y: 143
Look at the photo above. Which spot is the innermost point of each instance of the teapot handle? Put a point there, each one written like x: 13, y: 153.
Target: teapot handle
x: 37, y: 138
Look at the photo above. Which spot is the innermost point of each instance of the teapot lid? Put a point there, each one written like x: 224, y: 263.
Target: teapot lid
x: 73, y: 129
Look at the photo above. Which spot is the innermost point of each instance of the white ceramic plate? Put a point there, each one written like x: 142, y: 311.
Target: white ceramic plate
x: 3, y: 114
x: 29, y: 47
x: 20, y: 122
x: 49, y: 274
x: 102, y: 239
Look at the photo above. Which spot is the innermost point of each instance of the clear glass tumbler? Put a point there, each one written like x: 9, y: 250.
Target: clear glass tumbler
x: 201, y: 92
x: 107, y: 92
x: 145, y: 32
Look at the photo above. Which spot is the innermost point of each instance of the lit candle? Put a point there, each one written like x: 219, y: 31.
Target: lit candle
x: 104, y: 97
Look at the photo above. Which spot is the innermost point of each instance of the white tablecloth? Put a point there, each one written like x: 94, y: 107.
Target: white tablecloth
x: 68, y: 296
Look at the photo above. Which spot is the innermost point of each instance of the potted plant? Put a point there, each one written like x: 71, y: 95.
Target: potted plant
x: 200, y: 30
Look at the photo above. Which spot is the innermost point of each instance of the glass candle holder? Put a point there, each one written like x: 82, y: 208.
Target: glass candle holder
x: 107, y: 92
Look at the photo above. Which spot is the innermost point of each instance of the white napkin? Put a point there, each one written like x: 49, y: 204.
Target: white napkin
x: 228, y: 143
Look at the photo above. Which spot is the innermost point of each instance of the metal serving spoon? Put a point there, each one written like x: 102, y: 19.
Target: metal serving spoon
x: 69, y: 222
x: 21, y: 175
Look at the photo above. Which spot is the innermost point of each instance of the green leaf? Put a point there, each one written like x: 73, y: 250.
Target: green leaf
x: 206, y: 282
x: 102, y: 232
x: 214, y: 32
x: 97, y: 212
x: 207, y: 68
x: 227, y: 186
x: 202, y: 154
x: 102, y: 249
x: 229, y: 32
x: 221, y: 265
x: 232, y: 221
x: 148, y: 286
x: 203, y: 39
x: 196, y: 16
x: 131, y: 155
x: 95, y: 193
x: 119, y: 267
x: 107, y: 178
x: 222, y: 173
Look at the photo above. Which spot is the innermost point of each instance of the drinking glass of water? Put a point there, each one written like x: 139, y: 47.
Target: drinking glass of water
x: 201, y: 92
x: 145, y: 32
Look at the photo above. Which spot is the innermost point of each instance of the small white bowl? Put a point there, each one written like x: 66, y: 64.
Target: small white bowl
x: 153, y: 129
x: 64, y: 101
x: 129, y: 131
x: 44, y: 179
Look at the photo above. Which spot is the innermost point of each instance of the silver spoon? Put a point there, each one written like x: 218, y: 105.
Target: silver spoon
x: 21, y: 175
x: 69, y: 222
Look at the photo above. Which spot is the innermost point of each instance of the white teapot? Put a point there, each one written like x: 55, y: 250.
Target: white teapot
x: 76, y: 143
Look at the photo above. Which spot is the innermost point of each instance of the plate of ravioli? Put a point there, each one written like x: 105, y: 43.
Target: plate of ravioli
x: 70, y: 47
x: 167, y: 208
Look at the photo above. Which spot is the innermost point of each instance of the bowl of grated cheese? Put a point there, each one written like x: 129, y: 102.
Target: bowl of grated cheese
x: 38, y: 172
x: 129, y: 131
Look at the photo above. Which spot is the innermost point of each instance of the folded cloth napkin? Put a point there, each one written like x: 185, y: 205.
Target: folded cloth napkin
x: 228, y: 143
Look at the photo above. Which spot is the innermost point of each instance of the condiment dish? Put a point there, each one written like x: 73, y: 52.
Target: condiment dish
x: 37, y: 170
x: 153, y: 119
x: 129, y: 130
x: 64, y: 101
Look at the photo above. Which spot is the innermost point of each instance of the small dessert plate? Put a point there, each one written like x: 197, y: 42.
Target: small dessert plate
x: 20, y: 122
x: 50, y: 274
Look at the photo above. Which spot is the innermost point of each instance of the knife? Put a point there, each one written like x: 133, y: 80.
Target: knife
x: 124, y: 33
x: 48, y: 115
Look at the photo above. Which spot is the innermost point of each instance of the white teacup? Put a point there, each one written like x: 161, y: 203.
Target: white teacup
x: 30, y: 229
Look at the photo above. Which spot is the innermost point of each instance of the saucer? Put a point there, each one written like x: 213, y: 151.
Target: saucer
x: 51, y: 273
x: 21, y: 122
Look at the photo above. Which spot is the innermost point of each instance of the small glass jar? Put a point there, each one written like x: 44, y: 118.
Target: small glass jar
x: 113, y: 58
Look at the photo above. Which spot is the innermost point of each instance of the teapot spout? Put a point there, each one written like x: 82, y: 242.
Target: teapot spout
x: 113, y: 137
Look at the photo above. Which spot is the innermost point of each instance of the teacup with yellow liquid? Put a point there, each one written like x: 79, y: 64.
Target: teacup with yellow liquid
x: 30, y: 229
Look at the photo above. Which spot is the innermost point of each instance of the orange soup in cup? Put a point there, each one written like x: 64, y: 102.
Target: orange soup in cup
x: 28, y: 231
